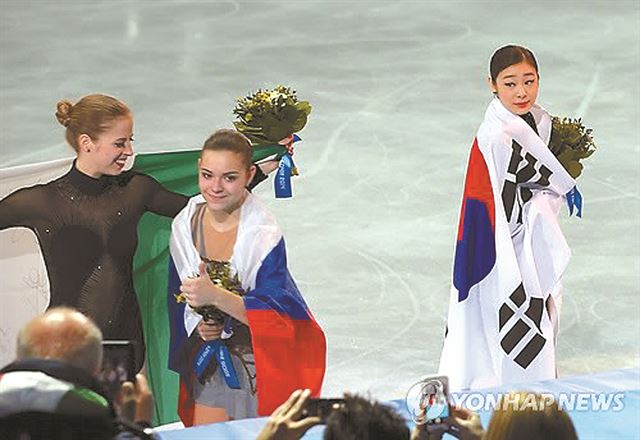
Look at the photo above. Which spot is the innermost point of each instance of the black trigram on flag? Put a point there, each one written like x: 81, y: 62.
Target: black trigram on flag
x: 515, y: 196
x: 520, y: 327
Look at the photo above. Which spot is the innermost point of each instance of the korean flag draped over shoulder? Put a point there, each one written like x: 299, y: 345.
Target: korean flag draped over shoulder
x: 509, y: 258
x: 289, y: 346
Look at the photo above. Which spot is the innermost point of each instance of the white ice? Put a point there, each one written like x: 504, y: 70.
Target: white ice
x: 398, y: 90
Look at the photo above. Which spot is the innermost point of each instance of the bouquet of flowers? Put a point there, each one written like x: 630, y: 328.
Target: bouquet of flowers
x: 571, y: 142
x: 270, y: 118
x: 220, y: 274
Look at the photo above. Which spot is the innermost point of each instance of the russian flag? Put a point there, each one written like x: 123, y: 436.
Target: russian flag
x: 288, y: 344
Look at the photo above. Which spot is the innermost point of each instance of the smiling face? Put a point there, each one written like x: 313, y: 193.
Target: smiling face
x: 517, y: 87
x: 222, y: 178
x: 107, y: 154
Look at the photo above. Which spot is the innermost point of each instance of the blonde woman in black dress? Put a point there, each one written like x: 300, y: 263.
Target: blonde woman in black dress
x: 86, y: 221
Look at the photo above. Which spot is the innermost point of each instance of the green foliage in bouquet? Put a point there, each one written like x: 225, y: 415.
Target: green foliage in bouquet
x: 570, y: 143
x: 220, y: 274
x: 268, y: 116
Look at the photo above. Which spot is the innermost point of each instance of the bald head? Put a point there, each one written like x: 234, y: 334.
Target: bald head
x: 62, y: 334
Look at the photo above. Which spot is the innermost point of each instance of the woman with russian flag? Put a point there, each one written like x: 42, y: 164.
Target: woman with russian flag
x: 245, y: 339
x: 510, y: 252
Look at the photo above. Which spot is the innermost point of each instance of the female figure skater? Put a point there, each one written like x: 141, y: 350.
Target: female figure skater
x: 266, y: 342
x: 510, y: 252
x: 86, y: 221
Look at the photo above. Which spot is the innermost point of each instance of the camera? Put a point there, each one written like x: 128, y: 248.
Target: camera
x: 321, y: 408
x: 117, y: 366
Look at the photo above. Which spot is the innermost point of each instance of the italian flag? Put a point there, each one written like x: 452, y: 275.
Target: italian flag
x: 177, y: 171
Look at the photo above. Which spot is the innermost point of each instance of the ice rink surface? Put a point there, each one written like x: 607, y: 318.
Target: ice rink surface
x: 398, y: 90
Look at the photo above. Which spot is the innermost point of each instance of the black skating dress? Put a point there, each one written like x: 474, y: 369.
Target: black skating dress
x: 87, y: 232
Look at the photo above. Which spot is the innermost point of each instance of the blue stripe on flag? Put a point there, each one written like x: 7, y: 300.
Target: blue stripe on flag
x: 476, y: 252
x: 275, y: 288
x: 178, y: 334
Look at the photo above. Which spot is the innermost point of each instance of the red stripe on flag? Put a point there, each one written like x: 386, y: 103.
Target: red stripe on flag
x: 289, y: 354
x: 477, y: 186
x: 186, y: 406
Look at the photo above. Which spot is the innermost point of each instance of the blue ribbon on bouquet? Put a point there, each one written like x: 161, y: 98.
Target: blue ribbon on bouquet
x: 286, y: 168
x: 221, y: 352
x: 574, y: 200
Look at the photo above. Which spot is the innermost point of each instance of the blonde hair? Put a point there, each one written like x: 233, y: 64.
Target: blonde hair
x: 529, y: 416
x: 91, y: 115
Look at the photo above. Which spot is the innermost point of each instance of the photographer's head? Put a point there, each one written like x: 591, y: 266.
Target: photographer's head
x: 362, y: 419
x: 62, y: 334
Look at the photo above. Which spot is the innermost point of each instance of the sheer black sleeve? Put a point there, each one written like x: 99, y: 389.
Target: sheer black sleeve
x: 160, y: 200
x: 23, y: 207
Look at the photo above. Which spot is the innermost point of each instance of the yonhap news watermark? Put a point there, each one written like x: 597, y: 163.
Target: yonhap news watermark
x: 568, y: 401
x: 429, y: 400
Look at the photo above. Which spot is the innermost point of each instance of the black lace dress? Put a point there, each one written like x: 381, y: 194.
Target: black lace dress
x: 87, y: 231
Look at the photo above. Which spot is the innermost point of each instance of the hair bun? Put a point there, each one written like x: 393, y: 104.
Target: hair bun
x: 63, y: 112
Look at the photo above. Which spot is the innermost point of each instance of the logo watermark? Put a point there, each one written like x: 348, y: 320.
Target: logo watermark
x: 573, y: 401
x: 428, y: 401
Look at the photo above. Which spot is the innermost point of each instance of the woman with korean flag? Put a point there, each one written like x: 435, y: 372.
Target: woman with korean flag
x: 510, y: 252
